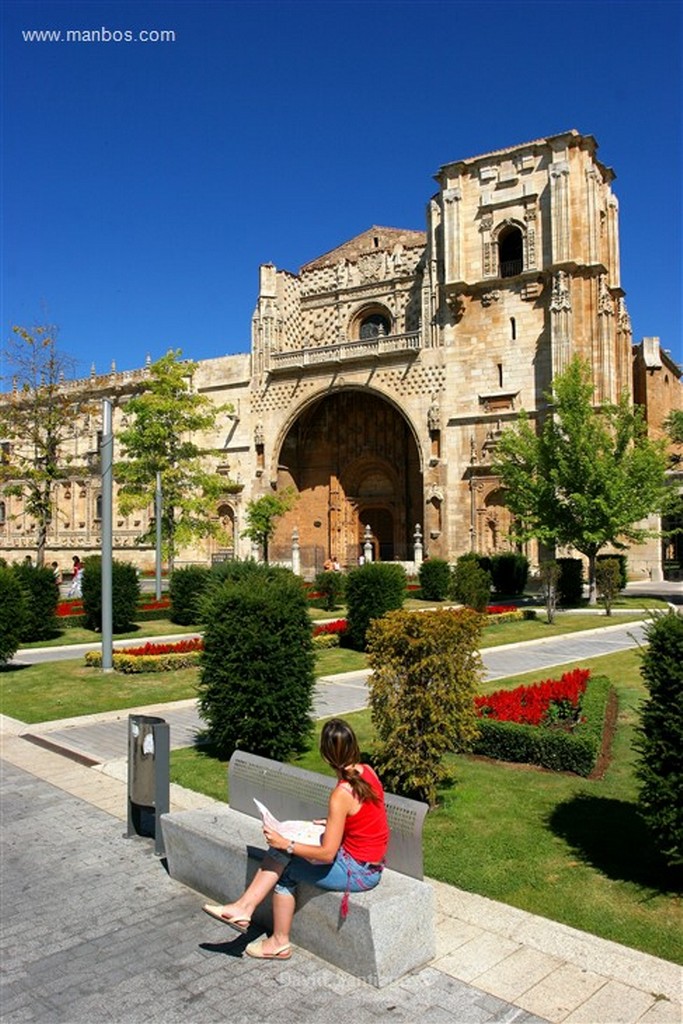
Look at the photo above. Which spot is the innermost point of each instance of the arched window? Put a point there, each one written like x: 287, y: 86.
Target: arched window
x: 374, y: 326
x: 510, y: 252
x: 3, y: 512
x: 98, y: 507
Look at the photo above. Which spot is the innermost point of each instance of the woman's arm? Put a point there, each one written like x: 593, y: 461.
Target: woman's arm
x: 340, y: 806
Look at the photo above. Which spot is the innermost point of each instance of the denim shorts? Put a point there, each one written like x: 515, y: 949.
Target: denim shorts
x: 344, y: 874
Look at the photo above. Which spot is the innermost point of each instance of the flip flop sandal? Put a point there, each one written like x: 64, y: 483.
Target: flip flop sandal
x: 240, y: 924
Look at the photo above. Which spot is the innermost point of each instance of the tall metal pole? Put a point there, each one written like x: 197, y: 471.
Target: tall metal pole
x: 106, y: 457
x: 157, y: 515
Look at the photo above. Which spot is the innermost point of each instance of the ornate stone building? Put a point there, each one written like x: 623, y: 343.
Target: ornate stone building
x: 381, y: 374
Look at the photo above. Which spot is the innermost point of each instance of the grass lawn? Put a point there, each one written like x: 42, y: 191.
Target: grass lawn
x: 557, y: 845
x: 80, y: 635
x: 66, y: 689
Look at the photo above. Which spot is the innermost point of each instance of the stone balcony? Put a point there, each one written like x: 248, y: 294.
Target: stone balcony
x: 345, y: 351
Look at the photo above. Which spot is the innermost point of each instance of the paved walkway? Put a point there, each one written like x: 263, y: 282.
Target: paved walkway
x: 94, y: 930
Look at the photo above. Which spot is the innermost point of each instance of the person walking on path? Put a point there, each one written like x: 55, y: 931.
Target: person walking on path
x: 350, y: 857
x: 76, y: 588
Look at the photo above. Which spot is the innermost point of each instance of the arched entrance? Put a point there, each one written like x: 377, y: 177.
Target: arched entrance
x: 354, y: 461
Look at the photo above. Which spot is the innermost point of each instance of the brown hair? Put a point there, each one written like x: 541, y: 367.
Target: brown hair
x: 339, y: 747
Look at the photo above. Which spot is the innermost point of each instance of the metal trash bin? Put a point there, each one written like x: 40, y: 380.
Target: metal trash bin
x: 148, y: 776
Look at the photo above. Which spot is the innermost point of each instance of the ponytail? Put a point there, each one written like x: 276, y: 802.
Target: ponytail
x: 339, y: 747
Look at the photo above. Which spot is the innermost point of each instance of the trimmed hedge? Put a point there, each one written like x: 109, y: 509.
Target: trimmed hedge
x: 41, y: 597
x: 187, y: 587
x: 372, y: 590
x: 435, y: 579
x: 133, y: 663
x: 623, y: 566
x: 570, y: 582
x: 509, y: 572
x: 12, y: 614
x: 125, y: 593
x: 331, y: 586
x: 555, y: 749
x: 471, y: 581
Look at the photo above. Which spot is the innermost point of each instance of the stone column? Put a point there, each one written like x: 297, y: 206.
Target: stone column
x: 296, y: 553
x: 418, y: 547
x: 367, y: 546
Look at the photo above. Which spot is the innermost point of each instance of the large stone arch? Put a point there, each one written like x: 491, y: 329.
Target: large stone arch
x: 352, y: 457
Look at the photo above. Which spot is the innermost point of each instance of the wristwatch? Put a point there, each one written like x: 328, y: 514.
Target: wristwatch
x: 290, y: 848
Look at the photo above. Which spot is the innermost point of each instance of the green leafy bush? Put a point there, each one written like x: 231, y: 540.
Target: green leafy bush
x: 471, y: 583
x: 435, y: 579
x: 332, y: 586
x: 41, y: 596
x: 372, y: 590
x: 186, y: 588
x: 125, y: 593
x: 623, y: 566
x: 509, y: 572
x: 660, y: 741
x: 12, y: 614
x: 426, y: 669
x: 560, y: 751
x: 257, y: 676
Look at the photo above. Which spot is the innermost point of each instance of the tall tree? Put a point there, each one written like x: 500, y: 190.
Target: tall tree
x: 163, y: 422
x: 587, y: 476
x: 39, y: 420
x: 262, y: 515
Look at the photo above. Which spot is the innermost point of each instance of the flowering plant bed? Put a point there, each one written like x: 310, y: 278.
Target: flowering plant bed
x: 151, y: 657
x: 71, y: 612
x: 557, y: 724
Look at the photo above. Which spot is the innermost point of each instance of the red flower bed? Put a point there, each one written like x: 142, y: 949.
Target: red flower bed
x: 338, y: 626
x: 180, y: 647
x: 500, y: 609
x: 539, y: 704
x: 65, y: 608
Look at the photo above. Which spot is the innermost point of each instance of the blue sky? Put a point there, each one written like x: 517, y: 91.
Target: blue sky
x: 144, y: 183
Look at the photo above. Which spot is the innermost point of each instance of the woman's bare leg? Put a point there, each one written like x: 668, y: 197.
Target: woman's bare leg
x: 263, y: 883
x: 284, y: 905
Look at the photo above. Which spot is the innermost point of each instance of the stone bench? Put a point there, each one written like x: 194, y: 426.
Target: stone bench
x: 388, y: 931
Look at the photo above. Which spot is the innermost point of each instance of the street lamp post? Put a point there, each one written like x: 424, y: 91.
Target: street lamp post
x: 106, y: 453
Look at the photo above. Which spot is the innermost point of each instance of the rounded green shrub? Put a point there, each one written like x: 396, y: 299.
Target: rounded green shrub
x: 435, y: 579
x: 186, y: 588
x: 125, y: 594
x: 623, y: 566
x: 372, y: 590
x: 660, y: 742
x: 41, y: 596
x: 12, y: 614
x: 332, y: 586
x: 257, y: 675
x: 471, y: 583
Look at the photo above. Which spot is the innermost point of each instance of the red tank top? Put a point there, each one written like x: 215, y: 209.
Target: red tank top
x: 366, y: 833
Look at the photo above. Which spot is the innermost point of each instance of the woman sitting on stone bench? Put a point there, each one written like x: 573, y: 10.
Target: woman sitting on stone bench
x: 350, y: 857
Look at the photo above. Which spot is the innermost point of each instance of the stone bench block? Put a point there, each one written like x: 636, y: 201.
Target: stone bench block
x: 389, y: 930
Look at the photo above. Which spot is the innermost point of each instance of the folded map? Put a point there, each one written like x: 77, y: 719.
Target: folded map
x: 297, y: 831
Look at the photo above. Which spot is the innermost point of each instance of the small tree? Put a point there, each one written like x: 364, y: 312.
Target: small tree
x: 372, y: 590
x: 257, y: 674
x: 262, y: 515
x: 549, y: 576
x: 12, y: 614
x: 164, y: 421
x: 471, y: 583
x: 588, y: 476
x: 426, y: 670
x: 125, y: 589
x: 660, y: 742
x: 39, y: 418
x: 435, y: 579
x: 608, y: 581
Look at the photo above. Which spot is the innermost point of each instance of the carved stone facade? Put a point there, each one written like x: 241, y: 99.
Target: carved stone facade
x: 381, y: 375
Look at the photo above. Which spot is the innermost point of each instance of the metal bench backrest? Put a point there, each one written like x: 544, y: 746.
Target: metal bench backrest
x: 293, y: 793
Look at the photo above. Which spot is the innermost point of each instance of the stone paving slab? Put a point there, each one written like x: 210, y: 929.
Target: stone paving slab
x: 94, y: 930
